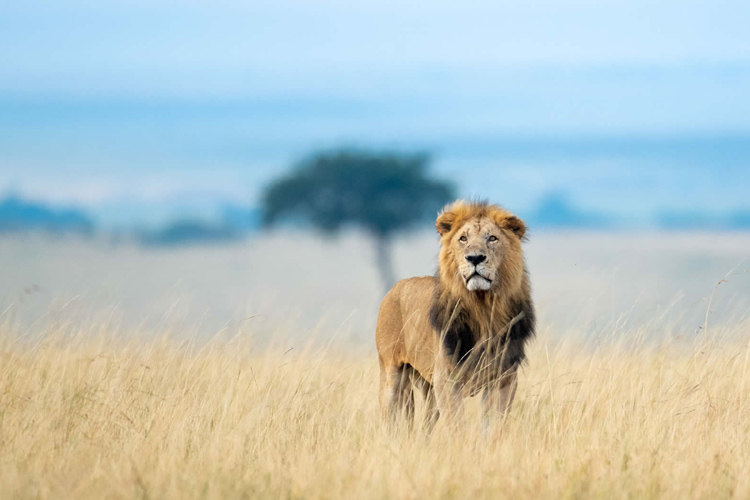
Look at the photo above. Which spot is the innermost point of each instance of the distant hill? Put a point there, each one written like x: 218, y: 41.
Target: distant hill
x: 733, y: 220
x: 18, y: 215
x: 555, y: 210
x: 189, y: 232
x: 234, y: 223
x: 240, y: 218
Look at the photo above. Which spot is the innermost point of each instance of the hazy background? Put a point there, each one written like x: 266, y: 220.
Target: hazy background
x: 620, y: 130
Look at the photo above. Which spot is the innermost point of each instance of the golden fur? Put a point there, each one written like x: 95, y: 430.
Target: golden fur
x: 462, y: 331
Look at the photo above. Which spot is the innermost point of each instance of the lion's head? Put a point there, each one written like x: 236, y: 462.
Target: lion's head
x: 480, y: 248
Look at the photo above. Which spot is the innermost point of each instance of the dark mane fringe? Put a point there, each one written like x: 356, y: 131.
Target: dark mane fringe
x: 468, y: 337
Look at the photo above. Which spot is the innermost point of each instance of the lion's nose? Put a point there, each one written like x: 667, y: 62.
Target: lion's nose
x: 476, y: 259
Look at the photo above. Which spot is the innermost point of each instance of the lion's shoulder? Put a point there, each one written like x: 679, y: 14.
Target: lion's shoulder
x: 407, y: 303
x: 410, y: 292
x: 416, y: 284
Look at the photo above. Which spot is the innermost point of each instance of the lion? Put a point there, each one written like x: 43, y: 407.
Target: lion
x: 464, y: 330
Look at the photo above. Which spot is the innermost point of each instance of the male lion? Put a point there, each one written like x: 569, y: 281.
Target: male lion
x: 462, y: 331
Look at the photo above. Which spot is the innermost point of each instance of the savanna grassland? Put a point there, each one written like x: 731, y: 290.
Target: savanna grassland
x: 97, y: 417
x: 611, y: 405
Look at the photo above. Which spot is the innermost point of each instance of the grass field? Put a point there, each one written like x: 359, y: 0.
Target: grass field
x: 107, y: 392
x: 85, y: 416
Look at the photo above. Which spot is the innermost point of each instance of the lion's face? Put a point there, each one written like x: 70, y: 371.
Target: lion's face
x: 478, y: 248
x: 481, y: 248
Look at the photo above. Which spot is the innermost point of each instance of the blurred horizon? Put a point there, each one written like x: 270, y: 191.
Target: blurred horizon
x: 600, y: 183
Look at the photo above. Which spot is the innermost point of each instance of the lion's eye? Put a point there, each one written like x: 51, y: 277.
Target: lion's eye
x: 463, y: 239
x: 492, y: 238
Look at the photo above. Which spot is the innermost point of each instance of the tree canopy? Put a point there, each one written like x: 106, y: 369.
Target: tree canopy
x: 382, y: 192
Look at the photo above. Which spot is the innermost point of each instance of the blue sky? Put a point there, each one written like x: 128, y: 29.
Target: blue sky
x: 180, y: 104
x: 339, y: 49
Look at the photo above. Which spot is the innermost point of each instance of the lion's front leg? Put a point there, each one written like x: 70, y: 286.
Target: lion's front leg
x: 448, y: 389
x: 497, y: 398
x: 396, y: 395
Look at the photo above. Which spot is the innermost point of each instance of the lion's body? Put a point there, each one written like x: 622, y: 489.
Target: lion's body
x: 464, y: 330
x: 404, y: 335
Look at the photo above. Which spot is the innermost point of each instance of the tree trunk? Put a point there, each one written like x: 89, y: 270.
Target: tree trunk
x: 384, y: 260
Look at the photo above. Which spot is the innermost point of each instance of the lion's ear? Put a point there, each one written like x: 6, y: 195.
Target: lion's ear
x: 516, y: 225
x: 444, y: 222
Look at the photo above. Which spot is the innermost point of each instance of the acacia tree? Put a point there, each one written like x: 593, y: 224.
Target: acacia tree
x: 381, y: 192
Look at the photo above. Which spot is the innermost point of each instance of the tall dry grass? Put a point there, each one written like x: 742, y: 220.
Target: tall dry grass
x: 96, y: 415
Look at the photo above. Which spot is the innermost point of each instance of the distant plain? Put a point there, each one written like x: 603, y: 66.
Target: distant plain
x: 305, y: 284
